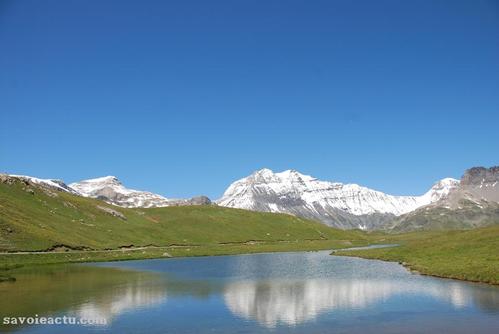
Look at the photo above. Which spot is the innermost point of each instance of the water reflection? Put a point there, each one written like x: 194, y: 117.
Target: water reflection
x: 294, y: 302
x: 80, y: 291
x: 271, y: 290
x: 132, y: 296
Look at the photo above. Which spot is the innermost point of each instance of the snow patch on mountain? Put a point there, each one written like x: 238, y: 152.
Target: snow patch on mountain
x: 51, y: 183
x: 304, y: 195
x: 111, y: 190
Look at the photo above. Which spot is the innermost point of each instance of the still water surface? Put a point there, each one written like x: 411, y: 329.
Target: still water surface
x: 306, y: 292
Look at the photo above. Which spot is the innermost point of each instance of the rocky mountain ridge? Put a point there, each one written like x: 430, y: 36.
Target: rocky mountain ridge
x: 449, y: 203
x: 333, y: 203
x: 474, y: 203
x: 110, y: 190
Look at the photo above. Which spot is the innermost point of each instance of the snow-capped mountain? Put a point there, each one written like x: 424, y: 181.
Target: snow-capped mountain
x: 112, y: 191
x: 336, y: 204
x: 474, y: 203
x: 54, y: 184
x: 471, y: 202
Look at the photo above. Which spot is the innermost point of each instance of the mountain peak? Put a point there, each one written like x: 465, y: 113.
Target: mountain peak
x: 446, y: 182
x: 110, y: 189
x: 104, y: 179
x: 480, y: 175
x: 263, y: 171
x: 440, y: 189
x: 337, y: 204
x: 293, y: 174
x: 290, y: 173
x: 265, y: 175
x: 481, y: 183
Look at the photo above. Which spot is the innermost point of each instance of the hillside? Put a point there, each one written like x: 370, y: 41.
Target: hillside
x: 112, y: 191
x: 474, y: 203
x: 470, y: 255
x: 34, y: 217
x: 469, y: 214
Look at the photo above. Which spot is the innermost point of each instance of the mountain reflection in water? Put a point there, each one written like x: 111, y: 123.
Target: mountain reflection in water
x: 262, y: 292
x: 128, y: 298
x: 80, y: 291
x: 292, y: 303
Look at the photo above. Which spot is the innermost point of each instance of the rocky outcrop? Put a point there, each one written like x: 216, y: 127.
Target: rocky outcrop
x: 6, y: 179
x: 474, y: 203
x: 477, y: 176
x: 112, y: 212
x: 200, y: 200
x: 47, y: 185
x: 480, y: 184
x: 197, y: 200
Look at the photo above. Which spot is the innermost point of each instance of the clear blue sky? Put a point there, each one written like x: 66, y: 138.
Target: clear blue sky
x: 183, y: 97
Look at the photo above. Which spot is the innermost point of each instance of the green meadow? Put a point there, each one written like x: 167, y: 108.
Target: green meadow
x: 40, y: 226
x: 471, y: 255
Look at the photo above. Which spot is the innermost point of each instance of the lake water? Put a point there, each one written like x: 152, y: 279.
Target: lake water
x: 305, y: 292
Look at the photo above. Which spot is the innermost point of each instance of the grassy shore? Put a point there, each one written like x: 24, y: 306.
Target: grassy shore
x: 471, y: 255
x: 13, y: 260
x: 11, y: 263
x: 466, y: 255
x: 42, y: 226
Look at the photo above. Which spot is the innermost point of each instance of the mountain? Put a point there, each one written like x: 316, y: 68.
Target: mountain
x: 53, y: 184
x: 473, y: 203
x: 336, y: 204
x: 448, y: 204
x: 112, y: 191
x: 40, y: 215
x: 481, y: 183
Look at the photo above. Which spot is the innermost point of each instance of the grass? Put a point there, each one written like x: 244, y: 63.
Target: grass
x: 35, y: 219
x: 70, y: 228
x: 14, y: 261
x: 471, y: 255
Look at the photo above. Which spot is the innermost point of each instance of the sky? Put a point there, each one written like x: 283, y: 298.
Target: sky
x: 183, y: 97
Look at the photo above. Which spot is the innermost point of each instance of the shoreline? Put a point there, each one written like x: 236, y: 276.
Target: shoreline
x: 12, y: 261
x: 416, y: 272
x: 7, y: 272
x: 411, y: 267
